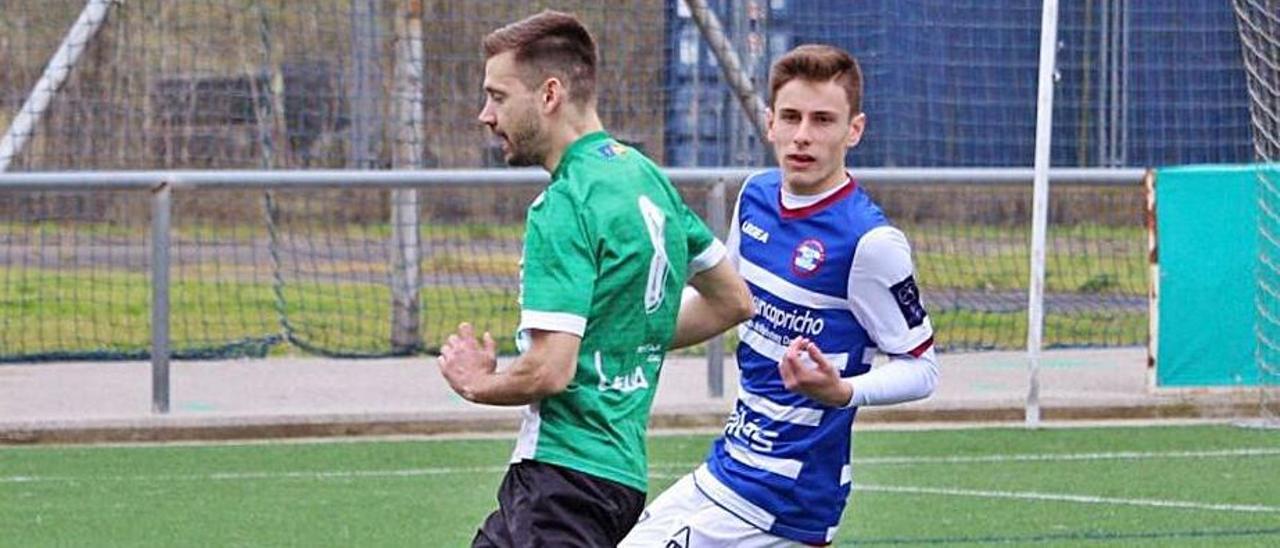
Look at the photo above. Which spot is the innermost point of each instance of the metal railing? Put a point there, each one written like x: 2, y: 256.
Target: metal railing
x: 163, y: 184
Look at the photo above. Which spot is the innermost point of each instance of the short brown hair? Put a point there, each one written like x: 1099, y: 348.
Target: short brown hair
x: 550, y: 44
x: 819, y: 63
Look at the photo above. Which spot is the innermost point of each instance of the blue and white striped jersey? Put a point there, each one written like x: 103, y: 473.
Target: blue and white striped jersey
x: 783, y: 462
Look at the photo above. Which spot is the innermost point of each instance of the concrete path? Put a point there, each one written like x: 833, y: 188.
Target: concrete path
x: 111, y: 401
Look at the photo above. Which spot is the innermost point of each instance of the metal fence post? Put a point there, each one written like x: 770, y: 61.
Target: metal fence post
x: 364, y: 84
x: 715, y: 346
x: 161, y: 209
x: 406, y: 222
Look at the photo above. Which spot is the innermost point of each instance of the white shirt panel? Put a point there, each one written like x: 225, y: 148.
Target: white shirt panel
x: 786, y: 290
x: 769, y: 349
x: 882, y: 260
x: 732, y: 240
x: 803, y: 416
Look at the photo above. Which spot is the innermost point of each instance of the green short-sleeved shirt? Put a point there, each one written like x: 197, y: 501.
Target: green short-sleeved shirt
x: 608, y: 248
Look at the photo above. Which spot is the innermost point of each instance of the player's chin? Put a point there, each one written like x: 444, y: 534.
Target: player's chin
x: 801, y: 179
x: 521, y: 160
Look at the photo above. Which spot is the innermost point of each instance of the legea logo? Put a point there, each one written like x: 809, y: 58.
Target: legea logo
x: 755, y: 232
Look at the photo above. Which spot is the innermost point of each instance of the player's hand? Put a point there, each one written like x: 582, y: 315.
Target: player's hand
x: 806, y: 371
x: 463, y: 360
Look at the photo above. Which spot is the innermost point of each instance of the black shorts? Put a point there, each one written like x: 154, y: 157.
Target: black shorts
x: 543, y: 504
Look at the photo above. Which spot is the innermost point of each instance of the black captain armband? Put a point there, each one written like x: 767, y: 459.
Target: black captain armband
x: 907, y: 295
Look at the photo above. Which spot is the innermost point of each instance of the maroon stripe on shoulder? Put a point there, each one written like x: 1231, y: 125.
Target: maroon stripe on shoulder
x: 800, y: 213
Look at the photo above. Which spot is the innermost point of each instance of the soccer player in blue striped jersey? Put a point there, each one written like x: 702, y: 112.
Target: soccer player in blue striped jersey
x: 833, y: 285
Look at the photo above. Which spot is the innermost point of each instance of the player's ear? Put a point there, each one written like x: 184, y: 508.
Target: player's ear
x: 857, y: 125
x: 553, y: 95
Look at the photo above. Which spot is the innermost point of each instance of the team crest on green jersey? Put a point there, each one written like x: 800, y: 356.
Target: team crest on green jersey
x: 611, y: 149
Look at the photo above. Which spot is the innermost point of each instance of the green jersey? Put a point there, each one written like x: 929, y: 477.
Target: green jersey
x: 608, y: 248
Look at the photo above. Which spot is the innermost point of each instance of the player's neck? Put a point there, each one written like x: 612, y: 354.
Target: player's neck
x: 828, y: 184
x: 570, y: 129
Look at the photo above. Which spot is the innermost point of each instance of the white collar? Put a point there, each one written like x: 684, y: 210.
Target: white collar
x: 801, y: 201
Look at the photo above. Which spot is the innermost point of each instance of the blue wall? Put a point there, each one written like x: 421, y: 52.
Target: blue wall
x: 954, y: 83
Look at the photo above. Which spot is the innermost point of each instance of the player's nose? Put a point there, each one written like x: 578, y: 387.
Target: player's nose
x: 487, y: 115
x: 804, y: 133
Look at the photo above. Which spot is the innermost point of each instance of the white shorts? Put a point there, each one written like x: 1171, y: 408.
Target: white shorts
x: 683, y: 517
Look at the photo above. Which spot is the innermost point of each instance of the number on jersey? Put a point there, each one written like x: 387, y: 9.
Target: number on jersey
x: 659, y: 266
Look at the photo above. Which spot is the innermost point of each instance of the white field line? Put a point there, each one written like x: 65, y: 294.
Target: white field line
x: 250, y: 476
x: 1052, y: 497
x: 946, y: 491
x: 655, y: 432
x: 1062, y: 497
x: 1022, y: 495
x: 658, y: 469
x: 1061, y: 457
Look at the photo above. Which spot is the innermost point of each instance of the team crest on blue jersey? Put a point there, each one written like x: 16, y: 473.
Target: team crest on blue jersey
x: 610, y: 150
x: 807, y: 257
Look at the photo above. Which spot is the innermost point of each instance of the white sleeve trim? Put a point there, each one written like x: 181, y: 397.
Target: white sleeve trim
x: 709, y: 257
x: 883, y: 258
x: 903, y: 379
x: 553, y: 321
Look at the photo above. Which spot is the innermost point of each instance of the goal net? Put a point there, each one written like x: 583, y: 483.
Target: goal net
x: 335, y: 84
x: 1259, y: 23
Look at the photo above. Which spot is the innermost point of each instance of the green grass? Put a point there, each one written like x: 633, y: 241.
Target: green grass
x: 204, y: 230
x: 956, y: 487
x: 44, y: 311
x: 986, y: 330
x: 1079, y: 258
x: 1010, y: 271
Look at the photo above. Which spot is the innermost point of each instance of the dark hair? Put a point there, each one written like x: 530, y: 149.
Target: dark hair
x: 819, y: 63
x: 550, y: 44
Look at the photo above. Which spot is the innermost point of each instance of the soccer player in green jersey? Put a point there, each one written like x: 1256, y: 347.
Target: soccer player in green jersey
x: 609, y: 246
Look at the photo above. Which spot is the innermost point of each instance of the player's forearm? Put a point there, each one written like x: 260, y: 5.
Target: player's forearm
x: 717, y: 300
x: 701, y: 319
x: 523, y: 383
x: 695, y: 324
x: 901, y: 380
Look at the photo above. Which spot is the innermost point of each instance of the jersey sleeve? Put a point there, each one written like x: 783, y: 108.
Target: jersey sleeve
x: 705, y: 251
x: 732, y: 241
x: 904, y: 378
x: 559, y: 267
x: 883, y: 294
